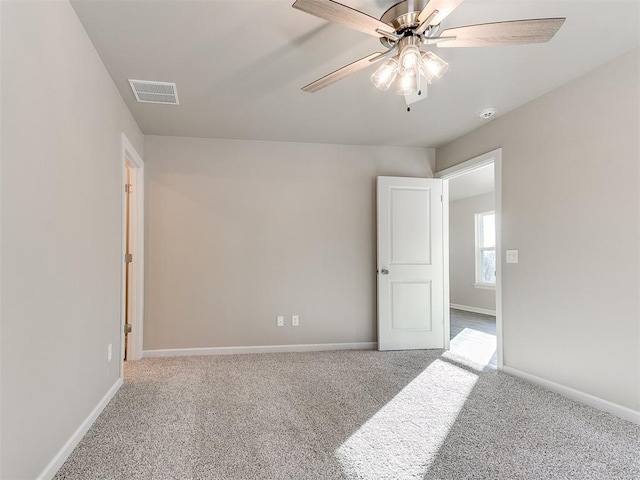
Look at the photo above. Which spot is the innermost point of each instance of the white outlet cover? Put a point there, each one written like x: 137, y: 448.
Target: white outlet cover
x: 512, y: 256
x: 295, y: 320
x: 280, y: 321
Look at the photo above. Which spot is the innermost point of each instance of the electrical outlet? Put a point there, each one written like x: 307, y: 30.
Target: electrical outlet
x: 512, y: 256
x: 295, y: 321
x: 109, y: 353
x: 280, y: 321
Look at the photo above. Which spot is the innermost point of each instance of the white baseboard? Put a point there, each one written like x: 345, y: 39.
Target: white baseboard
x: 466, y: 308
x: 54, y: 465
x: 316, y: 347
x: 595, y: 402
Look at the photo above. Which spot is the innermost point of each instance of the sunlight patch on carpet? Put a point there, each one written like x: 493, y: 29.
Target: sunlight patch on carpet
x: 477, y: 346
x: 402, y: 439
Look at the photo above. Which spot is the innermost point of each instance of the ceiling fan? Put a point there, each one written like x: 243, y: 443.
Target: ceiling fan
x: 408, y: 25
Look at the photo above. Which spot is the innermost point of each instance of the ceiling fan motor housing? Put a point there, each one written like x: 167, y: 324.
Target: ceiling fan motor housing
x: 403, y: 17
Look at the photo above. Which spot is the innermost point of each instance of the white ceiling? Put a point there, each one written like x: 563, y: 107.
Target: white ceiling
x: 471, y: 184
x: 239, y: 66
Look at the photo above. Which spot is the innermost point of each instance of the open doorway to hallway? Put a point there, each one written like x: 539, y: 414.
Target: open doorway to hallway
x: 473, y: 259
x: 132, y: 304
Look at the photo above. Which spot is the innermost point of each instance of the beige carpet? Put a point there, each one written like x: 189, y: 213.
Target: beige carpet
x: 346, y: 415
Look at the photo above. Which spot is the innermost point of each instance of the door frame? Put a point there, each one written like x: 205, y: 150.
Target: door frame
x: 495, y: 157
x: 131, y: 158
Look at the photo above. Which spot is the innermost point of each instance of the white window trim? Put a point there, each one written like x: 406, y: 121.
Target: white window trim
x: 485, y: 286
x: 478, y: 250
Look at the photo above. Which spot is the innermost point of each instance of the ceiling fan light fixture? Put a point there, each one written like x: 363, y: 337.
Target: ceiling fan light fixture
x: 408, y: 84
x: 384, y: 76
x: 432, y: 66
x: 409, y: 60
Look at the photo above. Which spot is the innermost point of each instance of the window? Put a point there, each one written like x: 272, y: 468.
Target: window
x: 485, y: 249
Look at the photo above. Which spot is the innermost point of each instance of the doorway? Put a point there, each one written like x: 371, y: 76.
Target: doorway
x: 472, y: 207
x: 132, y: 309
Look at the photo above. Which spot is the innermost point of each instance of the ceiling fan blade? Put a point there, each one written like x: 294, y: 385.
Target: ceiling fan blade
x: 434, y: 40
x: 443, y: 9
x: 348, y: 70
x: 516, y: 32
x: 342, y: 15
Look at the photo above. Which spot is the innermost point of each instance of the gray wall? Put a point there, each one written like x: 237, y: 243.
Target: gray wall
x: 242, y: 231
x: 571, y: 171
x: 462, y: 259
x: 62, y: 118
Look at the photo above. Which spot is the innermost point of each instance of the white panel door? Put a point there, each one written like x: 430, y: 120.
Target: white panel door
x: 410, y: 264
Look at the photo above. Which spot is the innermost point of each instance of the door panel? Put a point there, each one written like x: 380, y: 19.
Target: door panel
x: 409, y: 210
x: 410, y: 264
x: 411, y: 306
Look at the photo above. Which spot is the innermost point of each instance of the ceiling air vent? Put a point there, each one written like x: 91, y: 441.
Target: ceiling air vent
x: 155, y: 92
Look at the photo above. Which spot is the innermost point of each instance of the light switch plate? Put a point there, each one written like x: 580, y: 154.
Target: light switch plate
x: 280, y: 321
x: 512, y: 256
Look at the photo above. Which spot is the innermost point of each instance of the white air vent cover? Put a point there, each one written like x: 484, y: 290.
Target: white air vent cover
x: 155, y: 92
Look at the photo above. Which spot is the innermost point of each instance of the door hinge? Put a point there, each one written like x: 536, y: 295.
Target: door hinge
x: 127, y: 328
x: 128, y: 188
x: 441, y: 198
x: 128, y: 258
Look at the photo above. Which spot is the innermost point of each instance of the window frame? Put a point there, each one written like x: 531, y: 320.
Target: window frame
x: 479, y: 250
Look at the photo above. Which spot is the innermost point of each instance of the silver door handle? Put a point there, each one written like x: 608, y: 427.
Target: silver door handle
x: 384, y: 271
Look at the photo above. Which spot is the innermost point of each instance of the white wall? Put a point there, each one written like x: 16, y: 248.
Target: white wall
x: 570, y: 203
x: 242, y: 231
x: 62, y: 120
x: 462, y: 259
